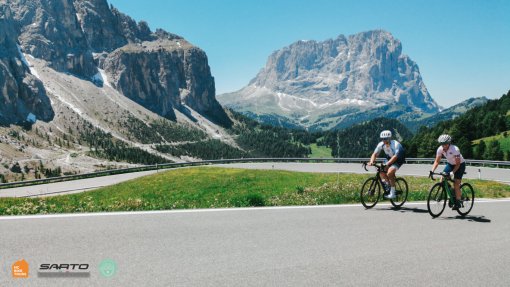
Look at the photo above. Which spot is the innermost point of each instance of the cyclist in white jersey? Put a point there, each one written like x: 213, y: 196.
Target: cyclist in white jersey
x: 454, y: 163
x: 395, y: 158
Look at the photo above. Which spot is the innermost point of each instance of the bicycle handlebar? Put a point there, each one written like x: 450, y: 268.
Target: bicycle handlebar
x: 380, y: 167
x: 443, y: 174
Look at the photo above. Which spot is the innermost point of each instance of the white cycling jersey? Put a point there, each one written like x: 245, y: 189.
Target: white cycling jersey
x: 451, y: 154
x: 395, y: 148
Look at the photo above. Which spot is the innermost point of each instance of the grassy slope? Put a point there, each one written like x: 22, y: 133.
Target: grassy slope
x: 503, y: 141
x: 208, y: 187
x: 320, y: 151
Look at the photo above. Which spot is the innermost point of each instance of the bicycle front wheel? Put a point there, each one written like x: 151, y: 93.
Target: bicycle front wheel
x: 401, y: 190
x: 467, y: 199
x: 370, y: 193
x: 436, y: 201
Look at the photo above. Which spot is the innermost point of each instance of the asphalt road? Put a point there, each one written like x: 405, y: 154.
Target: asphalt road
x: 486, y: 173
x: 52, y: 189
x: 301, y: 246
x: 69, y: 187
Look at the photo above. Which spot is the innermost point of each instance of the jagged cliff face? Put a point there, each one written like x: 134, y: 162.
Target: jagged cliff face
x: 102, y: 26
x: 325, y: 84
x: 94, y: 41
x: 163, y: 75
x: 22, y: 94
x: 50, y: 31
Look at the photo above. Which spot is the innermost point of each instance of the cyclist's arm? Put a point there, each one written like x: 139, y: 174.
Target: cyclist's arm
x: 436, y: 162
x: 377, y: 151
x: 392, y: 160
x: 457, y: 164
x: 372, y: 158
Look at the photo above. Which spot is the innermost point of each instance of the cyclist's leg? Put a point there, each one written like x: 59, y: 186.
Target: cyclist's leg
x: 458, y: 179
x: 456, y: 187
x: 447, y: 169
x: 384, y: 174
x: 391, y: 174
x: 392, y: 170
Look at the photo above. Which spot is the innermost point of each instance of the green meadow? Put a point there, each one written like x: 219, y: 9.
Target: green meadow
x: 320, y: 151
x: 212, y: 187
x: 504, y: 141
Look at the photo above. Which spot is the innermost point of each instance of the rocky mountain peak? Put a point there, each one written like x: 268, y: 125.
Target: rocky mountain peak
x: 322, y: 83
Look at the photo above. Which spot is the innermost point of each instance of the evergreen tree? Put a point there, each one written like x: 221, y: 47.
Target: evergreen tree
x: 465, y: 148
x: 16, y: 168
x: 493, y: 151
x: 480, y: 150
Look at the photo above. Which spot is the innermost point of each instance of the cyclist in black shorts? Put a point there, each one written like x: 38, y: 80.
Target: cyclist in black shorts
x: 395, y: 158
x: 454, y: 163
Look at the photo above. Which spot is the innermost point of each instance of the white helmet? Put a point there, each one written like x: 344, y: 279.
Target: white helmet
x: 444, y: 139
x: 385, y: 134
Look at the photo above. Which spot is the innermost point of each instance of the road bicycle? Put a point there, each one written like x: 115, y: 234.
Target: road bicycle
x: 371, y: 189
x: 443, y: 192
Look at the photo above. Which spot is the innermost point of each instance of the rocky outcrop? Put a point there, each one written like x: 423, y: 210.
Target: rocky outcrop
x: 102, y: 26
x: 159, y: 70
x: 164, y: 75
x: 23, y: 97
x: 324, y: 83
x: 50, y: 30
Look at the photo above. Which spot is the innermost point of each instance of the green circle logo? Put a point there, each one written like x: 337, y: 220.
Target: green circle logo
x: 107, y: 267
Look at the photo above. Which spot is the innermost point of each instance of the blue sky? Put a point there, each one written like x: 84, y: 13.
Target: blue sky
x: 461, y: 47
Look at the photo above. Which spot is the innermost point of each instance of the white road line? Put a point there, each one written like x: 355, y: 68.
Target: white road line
x: 121, y: 213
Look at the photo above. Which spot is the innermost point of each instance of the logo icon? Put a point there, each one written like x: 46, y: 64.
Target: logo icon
x: 63, y: 270
x: 107, y: 267
x: 20, y: 269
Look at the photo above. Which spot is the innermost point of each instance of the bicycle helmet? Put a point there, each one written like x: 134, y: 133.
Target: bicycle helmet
x: 385, y: 135
x: 444, y: 139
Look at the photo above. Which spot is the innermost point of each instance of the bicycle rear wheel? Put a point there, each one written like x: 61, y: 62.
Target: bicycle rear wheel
x: 370, y: 193
x: 467, y: 199
x: 436, y: 201
x: 401, y: 190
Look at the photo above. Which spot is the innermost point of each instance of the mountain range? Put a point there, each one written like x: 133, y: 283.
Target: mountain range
x: 85, y: 87
x: 72, y: 70
x: 336, y: 83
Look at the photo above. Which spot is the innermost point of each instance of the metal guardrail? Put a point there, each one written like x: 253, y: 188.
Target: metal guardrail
x: 226, y: 161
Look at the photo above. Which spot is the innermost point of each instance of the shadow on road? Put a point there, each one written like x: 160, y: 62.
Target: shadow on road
x: 480, y: 218
x: 404, y: 209
x: 407, y: 209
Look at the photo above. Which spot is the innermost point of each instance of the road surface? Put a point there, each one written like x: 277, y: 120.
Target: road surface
x: 342, y: 245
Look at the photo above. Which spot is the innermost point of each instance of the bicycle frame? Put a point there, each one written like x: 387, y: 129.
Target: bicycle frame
x: 449, y: 192
x: 445, y: 179
x: 380, y: 168
x: 446, y: 193
x: 373, y: 185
